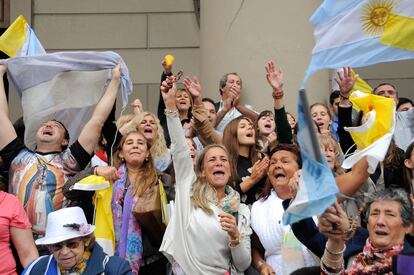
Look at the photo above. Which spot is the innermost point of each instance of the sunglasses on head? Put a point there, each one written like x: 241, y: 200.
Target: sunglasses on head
x: 71, y: 244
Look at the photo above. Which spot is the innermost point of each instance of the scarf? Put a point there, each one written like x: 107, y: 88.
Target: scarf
x: 230, y: 203
x: 128, y: 238
x: 374, y: 261
x: 80, y: 267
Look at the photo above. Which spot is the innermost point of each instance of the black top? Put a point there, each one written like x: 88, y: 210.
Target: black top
x: 243, y: 166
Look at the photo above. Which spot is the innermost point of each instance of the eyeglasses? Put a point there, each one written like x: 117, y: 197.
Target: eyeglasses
x: 71, y: 244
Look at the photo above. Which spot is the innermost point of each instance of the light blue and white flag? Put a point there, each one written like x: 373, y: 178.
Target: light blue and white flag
x: 65, y: 86
x: 359, y: 33
x: 317, y: 188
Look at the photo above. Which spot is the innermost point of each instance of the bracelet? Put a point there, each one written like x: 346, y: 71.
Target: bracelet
x: 234, y: 243
x: 344, y: 97
x: 330, y: 270
x: 277, y: 95
x: 171, y: 113
x: 95, y: 170
x: 334, y: 253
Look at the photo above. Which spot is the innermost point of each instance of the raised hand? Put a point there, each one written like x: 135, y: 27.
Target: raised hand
x: 259, y: 169
x: 274, y: 76
x: 137, y: 106
x: 235, y: 91
x: 334, y: 222
x: 193, y: 86
x: 345, y: 81
x: 116, y: 72
x: 168, y: 89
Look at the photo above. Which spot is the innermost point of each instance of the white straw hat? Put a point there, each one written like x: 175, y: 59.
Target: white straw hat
x: 65, y: 224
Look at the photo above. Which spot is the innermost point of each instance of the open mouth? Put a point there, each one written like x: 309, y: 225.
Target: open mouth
x: 47, y: 132
x: 147, y: 130
x: 249, y: 134
x: 381, y: 233
x: 218, y: 173
x: 280, y: 176
x: 268, y: 126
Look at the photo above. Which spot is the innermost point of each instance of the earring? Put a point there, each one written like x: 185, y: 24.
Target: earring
x: 146, y: 160
x: 122, y: 160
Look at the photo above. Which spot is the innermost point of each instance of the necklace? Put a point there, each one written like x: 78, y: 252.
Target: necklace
x: 42, y: 165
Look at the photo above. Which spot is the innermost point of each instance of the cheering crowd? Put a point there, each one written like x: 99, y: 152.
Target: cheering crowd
x: 222, y: 172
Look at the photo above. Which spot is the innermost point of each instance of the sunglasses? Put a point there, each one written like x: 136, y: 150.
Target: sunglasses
x: 71, y: 244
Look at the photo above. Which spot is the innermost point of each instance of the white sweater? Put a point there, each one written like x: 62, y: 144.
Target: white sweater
x: 193, y: 238
x: 266, y: 221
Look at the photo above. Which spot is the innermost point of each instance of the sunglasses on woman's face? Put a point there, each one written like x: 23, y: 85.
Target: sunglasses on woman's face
x: 71, y: 244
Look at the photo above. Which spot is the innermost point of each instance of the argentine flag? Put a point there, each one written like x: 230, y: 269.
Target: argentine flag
x: 359, y: 33
x: 20, y: 40
x: 65, y: 86
x: 317, y: 188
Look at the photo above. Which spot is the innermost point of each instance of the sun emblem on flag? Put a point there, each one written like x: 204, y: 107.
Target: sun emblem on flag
x: 376, y: 14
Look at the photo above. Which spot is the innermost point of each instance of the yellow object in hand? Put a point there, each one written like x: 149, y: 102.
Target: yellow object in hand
x: 169, y: 59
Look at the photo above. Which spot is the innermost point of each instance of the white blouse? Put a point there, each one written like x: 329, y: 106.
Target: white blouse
x: 194, y: 239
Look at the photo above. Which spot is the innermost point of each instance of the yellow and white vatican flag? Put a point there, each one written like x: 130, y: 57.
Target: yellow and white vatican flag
x: 359, y: 33
x: 104, y: 232
x: 20, y: 40
x: 373, y: 137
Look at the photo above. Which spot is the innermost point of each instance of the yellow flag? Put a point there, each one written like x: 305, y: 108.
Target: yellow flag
x: 104, y: 232
x: 379, y: 112
x: 13, y: 38
x: 360, y: 84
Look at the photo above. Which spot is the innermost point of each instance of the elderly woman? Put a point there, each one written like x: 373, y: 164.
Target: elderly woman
x: 275, y: 239
x: 389, y: 215
x: 209, y: 232
x: 277, y: 250
x: 73, y: 249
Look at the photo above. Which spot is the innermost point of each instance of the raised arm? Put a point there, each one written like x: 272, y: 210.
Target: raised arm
x: 203, y: 127
x: 244, y: 110
x: 346, y: 83
x: 180, y: 152
x: 183, y: 165
x: 7, y: 133
x: 90, y: 134
x: 275, y: 78
x: 226, y: 108
x: 350, y: 182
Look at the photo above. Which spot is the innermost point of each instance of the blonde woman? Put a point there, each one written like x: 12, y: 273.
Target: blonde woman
x: 210, y: 229
x: 149, y: 125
